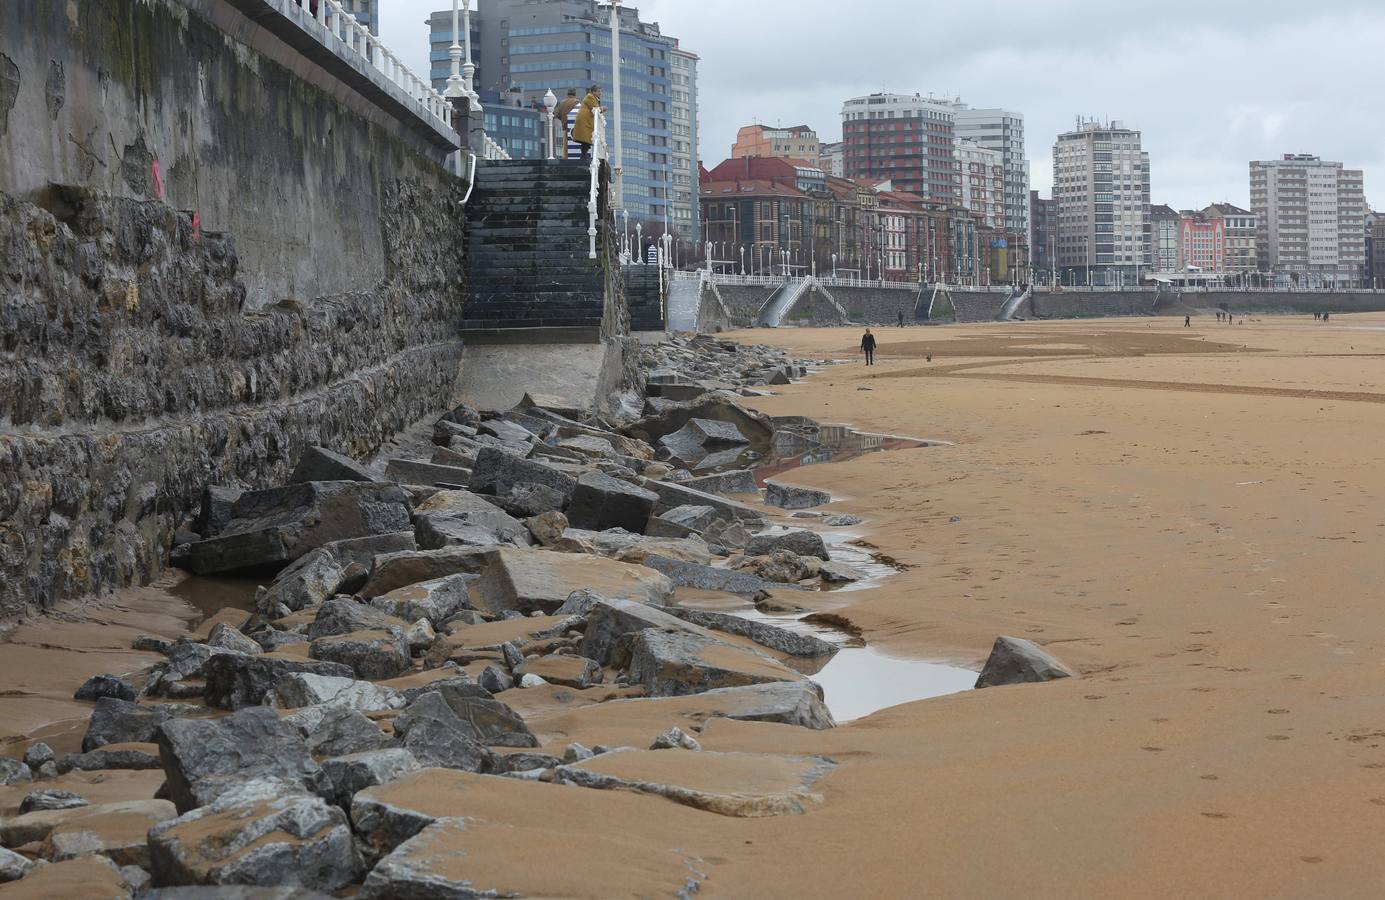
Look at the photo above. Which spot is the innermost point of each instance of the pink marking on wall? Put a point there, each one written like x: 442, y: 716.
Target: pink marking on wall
x: 158, y: 180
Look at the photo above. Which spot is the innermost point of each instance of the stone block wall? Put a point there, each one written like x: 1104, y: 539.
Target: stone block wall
x: 744, y: 301
x: 877, y: 306
x: 1088, y: 304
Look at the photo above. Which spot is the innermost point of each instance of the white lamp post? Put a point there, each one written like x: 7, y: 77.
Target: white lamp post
x: 456, y: 87
x: 468, y: 67
x: 709, y: 256
x: 834, y: 265
x: 550, y: 102
x: 742, y: 260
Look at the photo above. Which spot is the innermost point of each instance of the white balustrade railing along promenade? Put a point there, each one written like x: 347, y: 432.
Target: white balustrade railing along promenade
x: 348, y: 30
x: 492, y: 150
x: 598, y: 155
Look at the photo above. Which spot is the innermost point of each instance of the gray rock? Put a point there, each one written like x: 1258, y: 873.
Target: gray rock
x: 136, y: 879
x: 352, y: 773
x: 781, y: 566
x: 257, y: 835
x: 235, y: 681
x: 230, y: 892
x: 279, y: 525
x: 495, y: 679
x: 738, y: 481
x: 798, y: 541
x: 38, y: 754
x: 414, y: 870
x: 203, y: 757
x: 673, y: 495
x: 434, y: 600
x: 437, y: 737
x: 484, y: 720
x: 98, y: 686
x: 578, y: 603
x: 371, y: 655
x: 460, y: 683
x: 515, y: 763
x: 845, y: 521
x: 600, y: 502
x: 311, y: 579
x: 272, y: 639
x: 188, y: 659
x: 50, y: 799
x: 513, y: 658
x: 122, y: 722
x: 677, y: 663
x: 396, y: 570
x: 498, y: 473
x: 711, y: 578
x: 685, y: 519
x: 610, y: 620
x: 1016, y: 661
x: 834, y: 572
x: 541, y: 580
x: 103, y: 758
x: 12, y: 771
x: 796, y: 703
x: 48, y: 770
x: 217, y: 502
x: 149, y: 643
x: 509, y: 432
x: 524, y: 501
x: 321, y: 464
x: 363, y: 550
x: 13, y: 866
x: 345, y: 731
x: 228, y: 638
x: 560, y: 668
x: 701, y: 435
x: 781, y: 640
x: 675, y: 739
x: 342, y: 615
x: 787, y: 496
x: 576, y: 752
x: 420, y: 636
x: 409, y: 471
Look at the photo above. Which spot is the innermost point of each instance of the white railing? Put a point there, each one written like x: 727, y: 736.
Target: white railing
x: 491, y: 150
x: 720, y: 278
x: 867, y: 282
x: 347, y: 30
x: 598, y: 154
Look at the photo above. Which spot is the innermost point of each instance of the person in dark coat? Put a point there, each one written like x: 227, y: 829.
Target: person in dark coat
x: 868, y: 347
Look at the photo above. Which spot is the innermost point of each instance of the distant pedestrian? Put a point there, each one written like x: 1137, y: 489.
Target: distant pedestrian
x: 901, y: 318
x: 1187, y: 321
x: 1326, y: 316
x: 868, y: 347
x: 584, y: 132
x: 651, y: 253
x: 1317, y: 316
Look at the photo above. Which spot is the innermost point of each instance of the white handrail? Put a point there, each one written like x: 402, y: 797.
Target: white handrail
x: 598, y: 154
x: 492, y: 150
x: 356, y: 38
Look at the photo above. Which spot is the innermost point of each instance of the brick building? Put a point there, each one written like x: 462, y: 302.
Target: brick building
x: 908, y: 139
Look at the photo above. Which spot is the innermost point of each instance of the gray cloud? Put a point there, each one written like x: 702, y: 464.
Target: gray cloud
x: 1212, y: 83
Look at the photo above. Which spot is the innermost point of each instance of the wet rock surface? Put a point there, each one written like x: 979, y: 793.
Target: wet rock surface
x: 1017, y: 661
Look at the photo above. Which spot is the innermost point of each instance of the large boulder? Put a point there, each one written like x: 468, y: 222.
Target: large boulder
x: 363, y: 550
x: 343, y: 615
x: 12, y: 772
x: 371, y: 655
x: 634, y: 548
x: 98, y: 686
x: 397, y: 570
x: 13, y: 866
x: 781, y: 566
x: 321, y: 464
x: 673, y: 495
x: 483, y: 719
x: 713, y: 578
x: 434, y: 600
x: 557, y: 668
x: 228, y: 637
x: 699, y: 437
x: 1016, y: 661
x: 215, y: 512
x: 462, y: 518
x: 205, y: 757
x: 257, y: 835
x: 674, y: 663
x: 780, y: 640
x: 235, y: 681
x: 541, y: 580
x: 609, y: 619
x: 498, y: 473
x: 119, y: 835
x: 437, y: 737
x: 344, y: 731
x: 276, y: 526
x: 799, y: 541
x: 122, y: 722
x: 681, y: 521
x: 600, y: 502
x: 786, y: 496
x: 302, y: 689
x: 140, y: 755
x: 411, y: 471
x: 796, y: 703
x: 354, y: 772
x: 737, y: 481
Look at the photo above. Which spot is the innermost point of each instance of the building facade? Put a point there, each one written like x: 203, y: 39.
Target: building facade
x: 1311, y: 219
x: 1164, y: 221
x: 367, y: 12
x: 1375, y: 249
x: 1043, y: 216
x: 981, y: 187
x: 1201, y: 243
x: 1003, y: 131
x: 831, y: 159
x: 907, y: 139
x: 799, y: 142
x: 1240, y: 227
x: 519, y: 129
x: 1101, y: 185
x: 534, y: 46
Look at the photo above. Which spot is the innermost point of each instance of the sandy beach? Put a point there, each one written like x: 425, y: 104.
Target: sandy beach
x: 1187, y: 516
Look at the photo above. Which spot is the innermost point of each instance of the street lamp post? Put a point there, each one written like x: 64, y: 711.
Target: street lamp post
x: 834, y: 265
x: 550, y: 102
x: 468, y: 67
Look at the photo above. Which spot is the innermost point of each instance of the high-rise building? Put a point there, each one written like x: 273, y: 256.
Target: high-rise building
x: 1101, y: 183
x: 684, y: 176
x: 1003, y: 131
x: 799, y: 142
x: 440, y: 47
x: 831, y: 159
x: 1201, y: 243
x: 1375, y: 250
x: 367, y: 12
x: 1163, y: 223
x: 539, y: 45
x: 1043, y: 215
x: 982, y: 185
x: 906, y: 139
x: 1239, y: 225
x: 1311, y: 218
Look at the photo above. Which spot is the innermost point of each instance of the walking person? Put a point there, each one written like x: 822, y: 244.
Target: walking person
x: 901, y: 318
x: 1187, y: 321
x: 563, y: 115
x: 584, y: 132
x: 868, y: 347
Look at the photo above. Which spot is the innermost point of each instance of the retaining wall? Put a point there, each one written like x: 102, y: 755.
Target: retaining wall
x: 876, y: 306
x: 743, y: 302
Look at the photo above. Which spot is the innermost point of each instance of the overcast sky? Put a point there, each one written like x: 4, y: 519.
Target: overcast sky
x: 1211, y: 83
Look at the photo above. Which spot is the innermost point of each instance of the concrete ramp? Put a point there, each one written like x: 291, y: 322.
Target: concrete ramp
x: 497, y: 374
x: 684, y: 300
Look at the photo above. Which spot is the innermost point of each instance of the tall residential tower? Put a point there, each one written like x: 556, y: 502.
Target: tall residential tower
x: 1101, y: 185
x: 1310, y: 218
x: 906, y: 139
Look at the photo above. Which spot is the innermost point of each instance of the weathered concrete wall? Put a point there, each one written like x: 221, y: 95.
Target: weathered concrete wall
x: 1085, y: 304
x: 1088, y: 304
x: 191, y: 102
x: 713, y: 315
x: 877, y: 306
x: 134, y: 368
x: 1286, y: 302
x: 744, y: 301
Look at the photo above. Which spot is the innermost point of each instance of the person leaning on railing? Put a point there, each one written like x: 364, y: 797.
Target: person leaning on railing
x: 584, y: 133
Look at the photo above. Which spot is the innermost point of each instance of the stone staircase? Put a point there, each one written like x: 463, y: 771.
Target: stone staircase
x: 644, y: 296
x: 527, y: 248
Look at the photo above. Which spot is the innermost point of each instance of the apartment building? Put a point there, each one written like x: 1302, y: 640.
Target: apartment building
x: 982, y: 184
x: 798, y: 142
x: 1164, y: 222
x: 907, y: 139
x: 1239, y: 226
x: 1311, y: 218
x: 1101, y: 185
x: 1001, y: 130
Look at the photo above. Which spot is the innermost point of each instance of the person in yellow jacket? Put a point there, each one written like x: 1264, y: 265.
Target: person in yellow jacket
x: 584, y: 131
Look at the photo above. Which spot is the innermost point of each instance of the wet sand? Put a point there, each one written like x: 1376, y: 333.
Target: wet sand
x: 1187, y: 516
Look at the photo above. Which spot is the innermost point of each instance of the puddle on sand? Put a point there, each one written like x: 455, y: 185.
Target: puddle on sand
x: 798, y: 444
x: 210, y: 594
